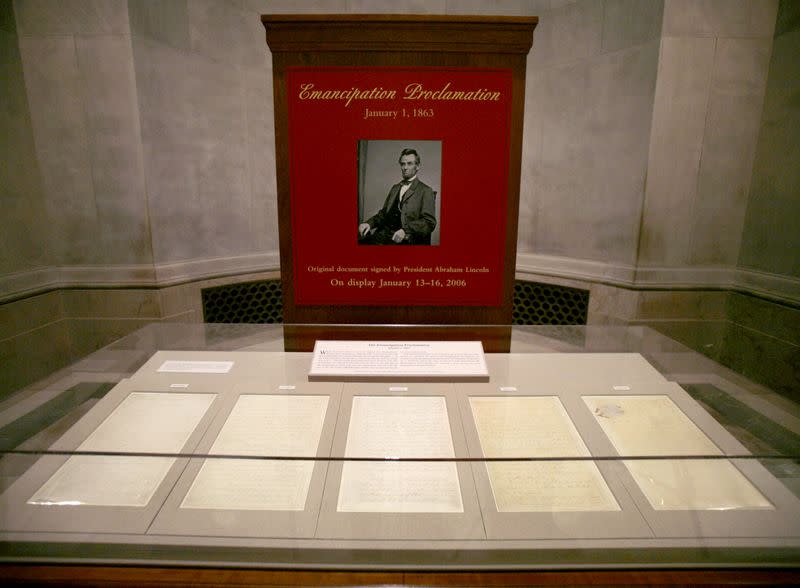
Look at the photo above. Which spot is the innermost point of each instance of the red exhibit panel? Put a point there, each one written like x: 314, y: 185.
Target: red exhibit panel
x: 348, y: 128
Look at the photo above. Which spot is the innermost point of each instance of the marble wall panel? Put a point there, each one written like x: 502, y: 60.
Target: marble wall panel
x: 682, y: 305
x: 66, y: 17
x: 611, y: 305
x: 204, y: 147
x: 8, y: 22
x: 533, y: 124
x: 679, y: 113
x: 763, y: 358
x: 779, y: 320
x: 166, y: 21
x: 498, y: 7
x: 216, y: 31
x: 294, y: 7
x: 704, y: 336
x: 162, y: 93
x: 112, y: 120
x: 254, y: 40
x: 627, y: 23
x: 260, y: 133
x: 177, y: 301
x: 396, y: 6
x: 530, y: 180
x: 729, y: 142
x: 567, y: 33
x: 55, y: 97
x: 87, y: 335
x: 590, y: 180
x: 720, y: 18
x: 771, y: 236
x: 23, y: 228
x: 788, y: 19
x: 167, y: 145
x: 219, y: 150
x: 29, y: 314
x: 33, y: 355
x: 127, y: 303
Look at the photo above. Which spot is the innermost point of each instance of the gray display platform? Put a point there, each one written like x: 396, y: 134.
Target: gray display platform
x: 611, y: 369
x: 627, y: 522
x: 637, y: 517
x: 480, y: 526
x: 781, y: 521
x: 277, y: 367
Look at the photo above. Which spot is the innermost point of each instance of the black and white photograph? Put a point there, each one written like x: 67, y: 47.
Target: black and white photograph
x: 399, y: 195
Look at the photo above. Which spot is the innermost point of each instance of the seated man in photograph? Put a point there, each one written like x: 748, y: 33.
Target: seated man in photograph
x: 408, y: 216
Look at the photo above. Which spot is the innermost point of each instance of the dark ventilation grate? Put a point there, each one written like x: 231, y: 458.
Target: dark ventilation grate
x: 547, y: 304
x: 250, y: 302
x: 262, y: 302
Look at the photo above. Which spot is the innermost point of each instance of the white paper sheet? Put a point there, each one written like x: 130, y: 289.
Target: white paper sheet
x: 401, y: 487
x: 410, y: 426
x: 241, y: 484
x: 648, y: 425
x: 143, y: 422
x: 695, y: 485
x: 537, y: 426
x: 654, y: 425
x: 262, y: 425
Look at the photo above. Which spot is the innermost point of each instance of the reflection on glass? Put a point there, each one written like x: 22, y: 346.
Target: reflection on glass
x: 654, y: 425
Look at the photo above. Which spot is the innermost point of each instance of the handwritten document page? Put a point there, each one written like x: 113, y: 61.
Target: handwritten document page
x: 399, y: 358
x: 390, y: 426
x: 144, y: 422
x: 654, y: 425
x: 262, y: 425
x: 537, y: 426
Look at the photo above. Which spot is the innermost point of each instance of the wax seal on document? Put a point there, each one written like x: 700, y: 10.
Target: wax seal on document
x: 609, y: 411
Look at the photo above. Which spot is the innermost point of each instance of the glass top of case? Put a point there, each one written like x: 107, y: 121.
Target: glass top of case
x: 615, y: 438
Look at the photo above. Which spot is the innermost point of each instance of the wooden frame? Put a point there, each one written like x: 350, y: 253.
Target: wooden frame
x: 378, y: 41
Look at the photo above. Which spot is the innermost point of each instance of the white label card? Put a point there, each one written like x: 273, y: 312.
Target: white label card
x: 399, y: 358
x: 195, y: 367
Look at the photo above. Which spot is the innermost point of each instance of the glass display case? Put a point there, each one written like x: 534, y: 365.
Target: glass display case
x: 589, y: 447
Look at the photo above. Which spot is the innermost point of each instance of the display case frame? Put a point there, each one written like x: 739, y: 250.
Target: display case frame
x: 646, y: 363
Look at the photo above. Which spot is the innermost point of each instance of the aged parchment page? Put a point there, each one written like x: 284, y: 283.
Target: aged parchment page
x: 143, y: 422
x: 537, y: 426
x: 654, y: 425
x: 390, y: 426
x: 262, y: 425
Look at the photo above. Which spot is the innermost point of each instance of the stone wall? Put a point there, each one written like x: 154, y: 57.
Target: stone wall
x: 659, y: 164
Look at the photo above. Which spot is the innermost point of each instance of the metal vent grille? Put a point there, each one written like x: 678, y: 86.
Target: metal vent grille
x: 249, y: 302
x: 262, y: 302
x: 548, y: 304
